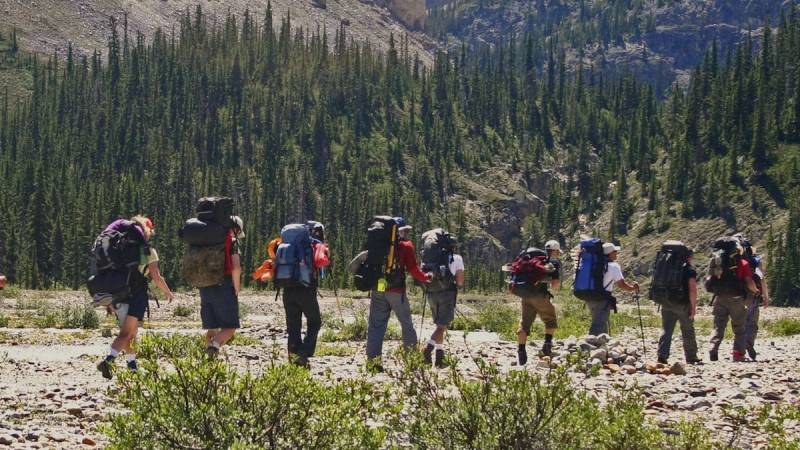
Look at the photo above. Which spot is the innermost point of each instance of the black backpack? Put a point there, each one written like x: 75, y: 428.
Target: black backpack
x: 216, y: 209
x: 437, y: 254
x: 668, y: 283
x: 118, y: 247
x: 381, y: 246
x: 722, y: 268
x: 202, y: 233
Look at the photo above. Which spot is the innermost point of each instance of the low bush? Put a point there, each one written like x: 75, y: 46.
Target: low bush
x: 183, y: 311
x: 786, y: 326
x: 79, y: 316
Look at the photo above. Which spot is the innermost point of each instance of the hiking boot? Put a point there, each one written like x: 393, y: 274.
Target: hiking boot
x: 713, y: 355
x: 663, y: 360
x: 301, y: 361
x: 694, y: 361
x: 522, y: 356
x: 547, y: 348
x: 440, y: 363
x: 132, y: 365
x: 426, y: 354
x: 105, y: 368
x: 738, y: 356
x: 751, y: 352
x: 212, y: 352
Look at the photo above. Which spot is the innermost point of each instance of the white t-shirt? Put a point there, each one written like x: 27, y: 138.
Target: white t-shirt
x: 612, y: 276
x: 456, y: 264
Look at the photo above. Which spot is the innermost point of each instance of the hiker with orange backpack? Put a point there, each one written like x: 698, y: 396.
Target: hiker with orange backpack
x: 122, y: 260
x: 533, y: 273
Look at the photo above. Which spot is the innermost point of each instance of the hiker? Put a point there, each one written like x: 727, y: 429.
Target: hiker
x: 3, y: 281
x: 678, y: 303
x: 130, y: 311
x: 754, y: 302
x: 440, y: 257
x: 300, y: 298
x: 538, y: 301
x: 597, y: 274
x: 382, y: 269
x: 731, y: 281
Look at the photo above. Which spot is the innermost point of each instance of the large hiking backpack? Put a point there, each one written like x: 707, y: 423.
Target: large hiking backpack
x: 722, y: 267
x: 294, y: 258
x: 216, y: 209
x: 204, y: 266
x: 437, y: 254
x: 668, y: 283
x: 381, y: 247
x: 110, y: 286
x: 202, y: 233
x: 592, y: 265
x: 528, y: 270
x: 118, y: 247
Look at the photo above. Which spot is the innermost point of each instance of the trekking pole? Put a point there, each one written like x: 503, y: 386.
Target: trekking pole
x: 336, y: 295
x: 422, y: 319
x: 636, y: 297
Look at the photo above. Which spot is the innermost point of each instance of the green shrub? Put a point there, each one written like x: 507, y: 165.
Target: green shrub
x: 3, y: 321
x: 189, y: 402
x: 786, y: 326
x: 47, y: 319
x: 183, y: 311
x: 79, y: 316
x: 245, y: 340
x: 333, y: 350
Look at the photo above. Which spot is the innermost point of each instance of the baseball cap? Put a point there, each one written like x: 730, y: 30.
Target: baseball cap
x: 240, y: 225
x: 609, y: 248
x: 401, y: 224
x: 552, y: 245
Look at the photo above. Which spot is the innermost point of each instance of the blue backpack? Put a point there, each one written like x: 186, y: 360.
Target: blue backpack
x: 294, y: 257
x: 592, y: 265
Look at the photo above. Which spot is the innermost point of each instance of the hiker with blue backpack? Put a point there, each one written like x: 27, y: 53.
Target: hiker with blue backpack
x: 381, y: 269
x: 122, y: 260
x: 301, y: 259
x: 597, y: 274
x: 755, y: 302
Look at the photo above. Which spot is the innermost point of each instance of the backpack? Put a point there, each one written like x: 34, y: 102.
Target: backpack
x: 216, y: 209
x: 592, y: 265
x: 204, y: 266
x: 110, y: 286
x: 202, y: 233
x: 437, y: 254
x: 667, y: 283
x: 722, y: 267
x: 118, y: 247
x: 294, y: 257
x: 528, y: 270
x: 381, y: 247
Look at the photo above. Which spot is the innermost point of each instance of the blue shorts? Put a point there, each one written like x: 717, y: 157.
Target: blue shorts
x: 135, y: 305
x: 219, y: 307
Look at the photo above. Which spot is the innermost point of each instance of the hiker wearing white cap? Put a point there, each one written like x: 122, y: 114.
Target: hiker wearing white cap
x: 612, y: 277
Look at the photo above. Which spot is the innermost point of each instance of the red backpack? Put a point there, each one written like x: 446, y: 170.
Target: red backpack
x: 530, y: 268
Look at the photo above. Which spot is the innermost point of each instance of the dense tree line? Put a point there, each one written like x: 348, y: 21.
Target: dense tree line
x: 294, y: 126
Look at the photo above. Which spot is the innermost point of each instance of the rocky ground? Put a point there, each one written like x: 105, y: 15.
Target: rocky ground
x: 51, y: 395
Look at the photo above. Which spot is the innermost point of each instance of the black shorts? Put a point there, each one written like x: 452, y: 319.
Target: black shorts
x: 137, y: 304
x: 219, y: 307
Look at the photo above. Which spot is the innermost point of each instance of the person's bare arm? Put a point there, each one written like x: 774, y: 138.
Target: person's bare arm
x: 555, y: 284
x: 692, y: 297
x: 460, y: 278
x: 161, y: 284
x: 765, y: 291
x: 630, y: 287
x: 236, y: 273
x: 751, y: 285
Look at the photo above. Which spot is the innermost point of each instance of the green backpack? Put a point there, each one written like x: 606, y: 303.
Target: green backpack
x: 204, y: 266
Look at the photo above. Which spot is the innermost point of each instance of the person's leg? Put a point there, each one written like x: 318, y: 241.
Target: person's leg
x: 313, y: 322
x: 547, y: 312
x: 720, y: 313
x: 738, y: 315
x: 402, y: 309
x: 525, y: 323
x: 668, y: 319
x: 294, y: 322
x: 688, y: 335
x: 446, y: 314
x: 207, y: 316
x: 226, y: 310
x: 378, y: 320
x: 599, y: 310
x: 751, y: 327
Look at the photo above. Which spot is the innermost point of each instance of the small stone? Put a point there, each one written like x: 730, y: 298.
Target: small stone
x: 603, y: 339
x: 598, y: 354
x: 630, y: 360
x: 651, y: 367
x: 595, y: 362
x: 698, y: 393
x: 695, y: 404
x: 591, y: 339
x: 614, y: 368
x: 586, y: 347
x: 771, y: 395
x: 56, y: 437
x: 678, y: 368
x: 88, y: 441
x: 74, y: 410
x: 629, y: 369
x: 571, y: 341
x: 6, y: 439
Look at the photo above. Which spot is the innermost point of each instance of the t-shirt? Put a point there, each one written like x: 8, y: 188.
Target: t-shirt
x: 743, y: 269
x: 456, y: 264
x: 146, y: 258
x: 688, y: 274
x: 612, y: 276
x: 407, y: 260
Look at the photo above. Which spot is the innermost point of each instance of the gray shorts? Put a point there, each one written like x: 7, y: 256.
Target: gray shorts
x: 219, y: 307
x: 443, y: 306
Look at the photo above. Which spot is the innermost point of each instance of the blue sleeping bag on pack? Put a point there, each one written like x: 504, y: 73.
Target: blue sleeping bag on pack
x: 589, y: 274
x: 294, y: 257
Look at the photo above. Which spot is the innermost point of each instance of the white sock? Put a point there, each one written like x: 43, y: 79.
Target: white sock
x: 131, y: 357
x: 113, y: 352
x: 439, y: 346
x: 432, y: 343
x: 215, y: 344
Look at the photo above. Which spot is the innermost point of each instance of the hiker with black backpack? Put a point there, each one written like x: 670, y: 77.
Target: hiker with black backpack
x: 597, y: 274
x: 300, y: 256
x: 440, y: 257
x: 212, y: 263
x: 674, y: 288
x: 381, y: 269
x: 122, y: 261
x: 754, y: 303
x: 730, y: 279
x: 533, y: 274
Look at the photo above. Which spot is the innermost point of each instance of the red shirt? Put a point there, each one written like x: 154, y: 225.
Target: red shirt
x: 408, y: 260
x: 743, y: 270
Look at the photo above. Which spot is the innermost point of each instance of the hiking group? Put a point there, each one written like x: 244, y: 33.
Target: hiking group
x: 123, y: 259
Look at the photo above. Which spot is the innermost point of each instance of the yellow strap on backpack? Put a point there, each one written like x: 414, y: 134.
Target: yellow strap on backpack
x: 390, y: 261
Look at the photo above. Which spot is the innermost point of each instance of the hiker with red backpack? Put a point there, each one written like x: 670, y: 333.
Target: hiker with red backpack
x: 754, y: 303
x: 122, y: 260
x: 533, y: 274
x: 301, y: 258
x: 381, y: 269
x: 3, y: 281
x: 212, y: 263
x: 674, y: 288
x: 440, y: 257
x: 730, y: 279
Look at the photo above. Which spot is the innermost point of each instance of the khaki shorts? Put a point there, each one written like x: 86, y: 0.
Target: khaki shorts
x: 541, y: 305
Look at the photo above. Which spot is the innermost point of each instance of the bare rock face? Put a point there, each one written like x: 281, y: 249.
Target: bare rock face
x: 411, y: 12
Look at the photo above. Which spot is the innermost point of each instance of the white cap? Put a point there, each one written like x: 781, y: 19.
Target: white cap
x: 609, y: 248
x: 552, y: 245
x: 240, y: 225
x: 404, y: 228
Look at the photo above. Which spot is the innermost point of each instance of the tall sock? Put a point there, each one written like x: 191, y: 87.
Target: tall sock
x: 131, y: 357
x: 439, y: 346
x: 112, y: 353
x: 548, y: 338
x: 215, y: 344
x: 431, y: 342
x: 520, y: 347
